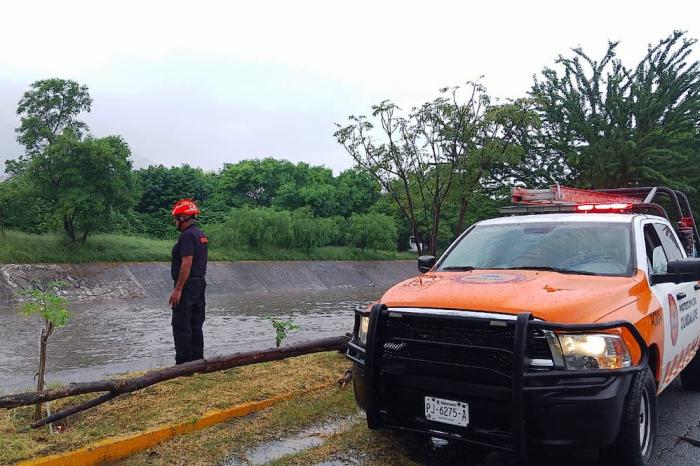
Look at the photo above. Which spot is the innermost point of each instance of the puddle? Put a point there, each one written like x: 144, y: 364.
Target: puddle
x: 309, y: 438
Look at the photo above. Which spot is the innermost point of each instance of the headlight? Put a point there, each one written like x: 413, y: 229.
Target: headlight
x: 362, y: 330
x: 594, y: 351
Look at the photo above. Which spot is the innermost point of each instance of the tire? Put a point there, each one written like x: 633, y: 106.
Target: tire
x: 690, y: 376
x: 638, y: 428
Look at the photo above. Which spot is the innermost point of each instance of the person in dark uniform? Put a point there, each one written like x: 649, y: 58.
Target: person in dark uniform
x: 188, y: 269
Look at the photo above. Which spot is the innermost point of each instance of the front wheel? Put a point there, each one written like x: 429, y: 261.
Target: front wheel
x: 635, y: 441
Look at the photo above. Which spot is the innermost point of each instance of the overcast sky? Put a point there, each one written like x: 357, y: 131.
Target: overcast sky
x: 210, y: 82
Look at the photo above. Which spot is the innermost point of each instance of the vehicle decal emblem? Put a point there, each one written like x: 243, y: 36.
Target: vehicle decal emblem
x: 491, y: 278
x: 673, y: 308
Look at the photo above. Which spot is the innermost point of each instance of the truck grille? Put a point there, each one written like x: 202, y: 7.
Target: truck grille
x: 469, y: 343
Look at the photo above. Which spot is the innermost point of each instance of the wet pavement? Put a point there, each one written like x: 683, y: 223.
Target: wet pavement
x: 679, y: 415
x: 117, y: 336
x: 308, y: 438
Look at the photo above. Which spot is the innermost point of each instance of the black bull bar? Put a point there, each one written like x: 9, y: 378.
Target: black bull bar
x: 522, y: 324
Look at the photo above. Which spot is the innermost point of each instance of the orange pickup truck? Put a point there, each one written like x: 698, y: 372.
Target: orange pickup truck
x: 557, y: 324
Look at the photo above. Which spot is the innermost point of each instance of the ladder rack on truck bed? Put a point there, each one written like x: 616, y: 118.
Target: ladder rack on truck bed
x: 558, y: 199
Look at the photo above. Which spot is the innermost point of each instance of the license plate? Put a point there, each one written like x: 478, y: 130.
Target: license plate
x: 446, y: 411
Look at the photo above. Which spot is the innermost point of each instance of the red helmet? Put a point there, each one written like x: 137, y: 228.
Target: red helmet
x: 185, y: 207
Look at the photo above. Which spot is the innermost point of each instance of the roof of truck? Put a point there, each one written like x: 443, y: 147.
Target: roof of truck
x: 564, y: 218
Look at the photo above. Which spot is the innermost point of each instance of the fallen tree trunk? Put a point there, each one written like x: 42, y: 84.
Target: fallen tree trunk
x: 203, y: 366
x: 105, y: 397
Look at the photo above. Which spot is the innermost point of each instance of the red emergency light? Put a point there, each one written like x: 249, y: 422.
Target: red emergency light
x: 617, y: 207
x: 573, y: 200
x: 687, y: 223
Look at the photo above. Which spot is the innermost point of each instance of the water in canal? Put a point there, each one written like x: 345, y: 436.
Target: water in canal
x: 125, y: 335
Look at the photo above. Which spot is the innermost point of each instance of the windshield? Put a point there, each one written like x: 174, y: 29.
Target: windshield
x: 585, y: 248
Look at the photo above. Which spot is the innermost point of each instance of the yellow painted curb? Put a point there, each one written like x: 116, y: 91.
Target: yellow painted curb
x: 117, y: 448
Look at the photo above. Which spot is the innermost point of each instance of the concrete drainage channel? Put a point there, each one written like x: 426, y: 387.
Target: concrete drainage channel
x: 120, y: 321
x: 312, y: 437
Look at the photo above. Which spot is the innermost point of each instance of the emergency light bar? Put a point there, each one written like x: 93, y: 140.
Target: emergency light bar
x: 641, y: 200
x: 604, y: 207
x: 559, y: 199
x: 568, y: 196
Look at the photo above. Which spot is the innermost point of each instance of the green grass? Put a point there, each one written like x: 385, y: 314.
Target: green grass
x: 24, y: 248
x: 187, y: 398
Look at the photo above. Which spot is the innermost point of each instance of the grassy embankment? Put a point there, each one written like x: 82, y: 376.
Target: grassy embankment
x: 184, y: 398
x: 16, y: 247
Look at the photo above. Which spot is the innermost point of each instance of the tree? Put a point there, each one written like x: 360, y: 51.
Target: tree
x: 373, y: 231
x: 357, y: 192
x: 418, y: 158
x: 254, y: 183
x: 6, y: 208
x: 49, y: 109
x: 499, y: 139
x: 84, y: 181
x: 162, y: 186
x: 45, y: 301
x: 21, y: 208
x: 615, y: 126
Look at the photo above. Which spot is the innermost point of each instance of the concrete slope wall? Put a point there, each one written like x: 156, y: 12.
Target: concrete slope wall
x: 105, y: 281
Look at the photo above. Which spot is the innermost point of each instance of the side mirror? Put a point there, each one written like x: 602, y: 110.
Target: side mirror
x: 426, y: 263
x: 679, y: 271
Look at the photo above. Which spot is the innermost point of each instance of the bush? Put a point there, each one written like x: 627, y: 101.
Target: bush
x: 265, y: 228
x: 157, y: 225
x: 335, y: 228
x: 373, y: 231
x: 257, y: 228
x: 224, y: 235
x: 308, y: 231
x: 311, y: 232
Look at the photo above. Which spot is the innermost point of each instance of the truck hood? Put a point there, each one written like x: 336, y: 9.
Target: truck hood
x: 551, y: 296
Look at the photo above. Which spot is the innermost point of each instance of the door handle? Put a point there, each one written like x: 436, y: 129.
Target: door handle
x: 680, y: 296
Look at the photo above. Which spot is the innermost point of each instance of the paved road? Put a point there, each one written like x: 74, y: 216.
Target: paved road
x: 679, y: 415
x: 679, y: 412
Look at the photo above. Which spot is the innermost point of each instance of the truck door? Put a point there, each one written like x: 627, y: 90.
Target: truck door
x: 679, y: 302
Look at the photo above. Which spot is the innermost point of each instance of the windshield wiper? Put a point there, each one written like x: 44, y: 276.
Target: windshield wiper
x: 461, y: 268
x: 550, y: 269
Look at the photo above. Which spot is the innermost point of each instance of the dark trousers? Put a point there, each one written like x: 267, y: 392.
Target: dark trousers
x: 188, y: 318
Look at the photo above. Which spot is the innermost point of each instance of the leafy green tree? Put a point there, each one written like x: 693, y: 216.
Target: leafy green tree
x: 617, y: 126
x: 373, y: 231
x: 286, y: 186
x: 162, y: 186
x: 419, y: 158
x: 51, y: 307
x: 84, y: 181
x: 358, y: 191
x: 49, y: 109
x: 253, y: 183
x: 20, y: 208
x: 499, y: 140
x: 322, y: 199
